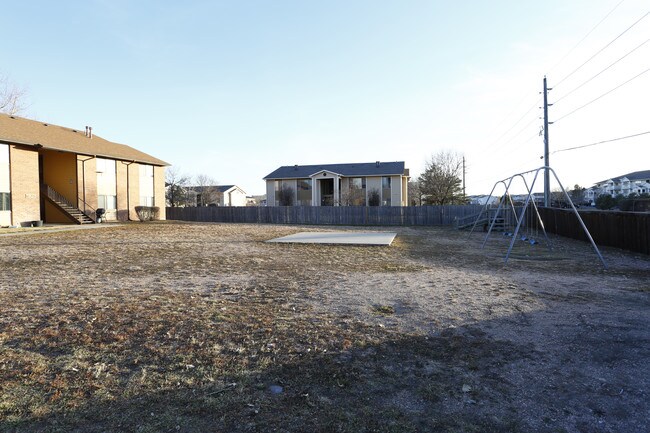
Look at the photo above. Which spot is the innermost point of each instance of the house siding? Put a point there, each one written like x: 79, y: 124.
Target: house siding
x: 159, y: 189
x: 270, y: 193
x: 395, y: 191
x: 24, y: 183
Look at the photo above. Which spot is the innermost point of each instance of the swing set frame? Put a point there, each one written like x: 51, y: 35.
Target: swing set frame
x: 519, y: 219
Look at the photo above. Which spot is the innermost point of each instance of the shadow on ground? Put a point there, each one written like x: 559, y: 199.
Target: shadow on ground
x: 459, y: 381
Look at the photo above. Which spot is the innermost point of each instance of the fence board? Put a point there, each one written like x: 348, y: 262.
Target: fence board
x: 327, y: 215
x: 626, y: 230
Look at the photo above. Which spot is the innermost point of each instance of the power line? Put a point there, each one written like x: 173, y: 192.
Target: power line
x: 520, y: 131
x: 586, y: 36
x: 630, y: 52
x: 602, y: 142
x: 604, y: 94
x: 536, y: 104
x: 602, y: 49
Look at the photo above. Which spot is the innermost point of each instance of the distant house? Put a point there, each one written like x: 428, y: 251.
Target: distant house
x: 362, y: 184
x: 57, y: 174
x: 215, y: 195
x: 232, y: 195
x: 256, y: 200
x: 637, y: 182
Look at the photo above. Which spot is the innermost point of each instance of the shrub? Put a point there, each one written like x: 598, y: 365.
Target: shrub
x: 147, y: 213
x: 374, y: 199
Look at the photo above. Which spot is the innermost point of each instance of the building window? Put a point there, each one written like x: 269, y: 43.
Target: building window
x: 107, y: 202
x: 146, y: 185
x: 357, y: 192
x: 146, y: 200
x: 106, y: 184
x: 304, y: 192
x: 278, y: 187
x: 5, y: 201
x: 385, y: 191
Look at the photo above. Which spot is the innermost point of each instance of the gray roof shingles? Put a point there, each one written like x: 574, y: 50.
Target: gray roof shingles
x: 358, y: 169
x: 636, y: 175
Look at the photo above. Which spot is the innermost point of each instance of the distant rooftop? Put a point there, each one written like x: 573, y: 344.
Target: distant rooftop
x: 637, y: 175
x: 359, y: 169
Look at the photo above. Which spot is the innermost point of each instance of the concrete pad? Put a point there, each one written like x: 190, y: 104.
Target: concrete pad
x: 339, y: 238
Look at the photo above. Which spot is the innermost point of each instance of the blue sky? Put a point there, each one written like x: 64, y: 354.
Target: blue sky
x: 235, y: 89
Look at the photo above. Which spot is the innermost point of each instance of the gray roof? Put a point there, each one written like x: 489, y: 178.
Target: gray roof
x: 224, y: 188
x: 359, y: 169
x: 637, y: 175
x: 220, y: 188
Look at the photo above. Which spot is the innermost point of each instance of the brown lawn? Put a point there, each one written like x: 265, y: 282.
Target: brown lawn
x: 204, y: 327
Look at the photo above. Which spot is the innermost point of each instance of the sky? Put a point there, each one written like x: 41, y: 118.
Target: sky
x: 235, y: 89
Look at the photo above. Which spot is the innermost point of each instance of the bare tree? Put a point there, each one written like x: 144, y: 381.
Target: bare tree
x: 176, y: 185
x: 441, y: 184
x: 374, y: 197
x: 12, y: 97
x: 353, y: 196
x: 286, y: 195
x: 414, y: 193
x: 206, y: 190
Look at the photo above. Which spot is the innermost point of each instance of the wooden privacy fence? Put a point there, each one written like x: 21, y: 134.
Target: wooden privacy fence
x: 327, y: 215
x: 626, y: 230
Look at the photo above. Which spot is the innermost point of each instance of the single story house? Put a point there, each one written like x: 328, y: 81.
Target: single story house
x: 232, y: 195
x: 215, y: 195
x: 361, y: 184
x: 57, y: 174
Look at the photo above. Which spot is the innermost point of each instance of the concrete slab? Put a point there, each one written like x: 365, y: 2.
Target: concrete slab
x: 339, y: 238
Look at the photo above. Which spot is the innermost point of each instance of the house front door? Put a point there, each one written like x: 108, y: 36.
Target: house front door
x: 326, y: 192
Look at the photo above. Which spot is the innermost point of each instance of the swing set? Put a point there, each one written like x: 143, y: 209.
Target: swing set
x: 526, y: 217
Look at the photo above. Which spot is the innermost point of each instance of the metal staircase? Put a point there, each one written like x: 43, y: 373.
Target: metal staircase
x: 68, y: 209
x: 484, y: 222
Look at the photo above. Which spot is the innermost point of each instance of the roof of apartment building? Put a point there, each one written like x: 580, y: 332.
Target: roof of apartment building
x: 18, y: 130
x: 360, y: 169
x: 637, y: 175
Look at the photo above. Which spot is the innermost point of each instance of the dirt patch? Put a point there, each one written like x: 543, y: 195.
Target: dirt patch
x: 205, y: 327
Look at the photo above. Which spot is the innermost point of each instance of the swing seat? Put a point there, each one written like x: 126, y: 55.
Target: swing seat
x: 533, y: 242
x: 524, y: 238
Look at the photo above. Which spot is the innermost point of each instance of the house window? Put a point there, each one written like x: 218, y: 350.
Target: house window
x: 106, y: 184
x: 304, y: 192
x: 5, y: 187
x: 146, y: 200
x: 5, y: 201
x: 278, y: 187
x: 385, y: 191
x: 146, y: 185
x: 107, y: 202
x: 357, y: 191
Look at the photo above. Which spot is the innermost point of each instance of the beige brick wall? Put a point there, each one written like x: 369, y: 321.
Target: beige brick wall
x: 87, y: 180
x: 121, y: 181
x: 134, y: 190
x: 25, y: 194
x: 128, y: 186
x: 159, y: 190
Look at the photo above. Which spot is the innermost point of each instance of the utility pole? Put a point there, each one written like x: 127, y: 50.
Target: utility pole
x: 463, y: 175
x: 547, y: 181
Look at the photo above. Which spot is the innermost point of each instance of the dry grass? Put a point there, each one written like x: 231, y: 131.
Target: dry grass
x: 192, y: 327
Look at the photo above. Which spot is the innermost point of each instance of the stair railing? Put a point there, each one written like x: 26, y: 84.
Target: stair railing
x: 87, y: 209
x: 54, y: 195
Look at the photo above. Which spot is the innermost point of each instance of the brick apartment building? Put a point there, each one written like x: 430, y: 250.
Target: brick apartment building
x: 57, y: 175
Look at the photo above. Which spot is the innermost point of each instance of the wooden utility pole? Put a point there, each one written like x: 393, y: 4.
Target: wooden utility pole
x: 547, y: 182
x: 464, y: 175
